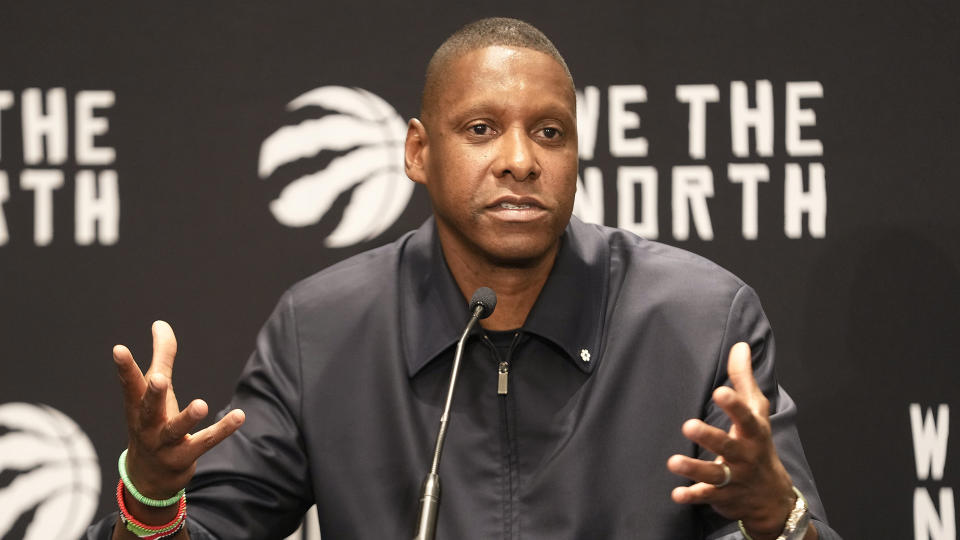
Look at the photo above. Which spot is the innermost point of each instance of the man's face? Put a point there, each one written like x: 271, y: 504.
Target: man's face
x: 499, y: 155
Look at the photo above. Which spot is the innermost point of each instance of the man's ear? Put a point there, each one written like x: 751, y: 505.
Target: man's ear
x: 415, y: 151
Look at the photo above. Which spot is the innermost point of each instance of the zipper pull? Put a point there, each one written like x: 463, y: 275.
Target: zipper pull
x: 503, y: 371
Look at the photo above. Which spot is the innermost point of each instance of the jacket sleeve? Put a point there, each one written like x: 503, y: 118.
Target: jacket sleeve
x: 747, y: 322
x: 256, y: 483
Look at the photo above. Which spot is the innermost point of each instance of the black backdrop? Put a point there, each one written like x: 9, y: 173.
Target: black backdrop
x: 865, y: 312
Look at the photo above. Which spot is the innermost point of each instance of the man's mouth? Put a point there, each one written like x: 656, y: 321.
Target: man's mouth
x: 517, y: 209
x: 511, y: 206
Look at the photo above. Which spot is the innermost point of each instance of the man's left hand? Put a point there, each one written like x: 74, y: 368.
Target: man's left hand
x: 758, y: 490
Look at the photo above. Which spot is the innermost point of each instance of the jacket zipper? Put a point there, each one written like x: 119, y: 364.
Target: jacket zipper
x: 503, y: 375
x: 503, y: 367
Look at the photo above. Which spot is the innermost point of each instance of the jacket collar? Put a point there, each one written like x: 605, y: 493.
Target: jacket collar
x: 570, y: 311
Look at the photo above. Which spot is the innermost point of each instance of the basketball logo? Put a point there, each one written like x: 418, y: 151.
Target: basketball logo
x: 364, y: 136
x: 55, y: 487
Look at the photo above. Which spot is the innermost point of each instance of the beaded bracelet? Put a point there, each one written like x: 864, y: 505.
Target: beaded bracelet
x: 171, y: 534
x: 156, y: 503
x: 159, y: 536
x: 150, y: 532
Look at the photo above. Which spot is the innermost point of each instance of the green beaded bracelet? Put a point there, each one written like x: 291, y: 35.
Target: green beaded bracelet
x: 156, y: 503
x: 141, y: 532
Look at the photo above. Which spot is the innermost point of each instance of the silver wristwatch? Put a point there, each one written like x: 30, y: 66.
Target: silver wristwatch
x: 797, y: 521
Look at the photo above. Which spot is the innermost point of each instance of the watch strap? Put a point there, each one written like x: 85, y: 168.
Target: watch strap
x: 797, y: 521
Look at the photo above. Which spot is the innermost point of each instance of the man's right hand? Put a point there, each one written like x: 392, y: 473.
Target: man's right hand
x: 162, y: 453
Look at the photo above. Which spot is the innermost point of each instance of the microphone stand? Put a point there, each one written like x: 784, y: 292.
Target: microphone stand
x: 430, y: 494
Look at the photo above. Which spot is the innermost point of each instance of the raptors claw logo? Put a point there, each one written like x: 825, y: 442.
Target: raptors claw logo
x: 55, y: 470
x: 372, y: 134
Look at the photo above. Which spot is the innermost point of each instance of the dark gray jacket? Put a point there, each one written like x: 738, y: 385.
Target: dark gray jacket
x: 344, y: 392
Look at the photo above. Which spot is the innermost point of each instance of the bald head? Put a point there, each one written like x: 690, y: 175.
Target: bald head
x: 477, y: 35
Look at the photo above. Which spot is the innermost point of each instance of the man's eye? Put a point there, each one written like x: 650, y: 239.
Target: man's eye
x: 551, y: 133
x: 479, y: 129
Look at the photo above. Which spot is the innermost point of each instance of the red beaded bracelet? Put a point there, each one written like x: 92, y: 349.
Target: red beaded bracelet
x: 154, y: 532
x: 162, y: 535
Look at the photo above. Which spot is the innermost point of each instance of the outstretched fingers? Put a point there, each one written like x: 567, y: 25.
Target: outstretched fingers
x: 713, y: 439
x: 180, y: 425
x: 740, y: 371
x: 747, y: 479
x: 164, y: 349
x: 745, y: 404
x: 162, y: 452
x: 744, y: 415
x: 205, y: 439
x: 131, y: 378
x: 698, y: 470
x: 153, y: 405
x: 699, y: 493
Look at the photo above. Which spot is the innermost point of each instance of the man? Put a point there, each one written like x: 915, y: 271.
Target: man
x: 570, y: 398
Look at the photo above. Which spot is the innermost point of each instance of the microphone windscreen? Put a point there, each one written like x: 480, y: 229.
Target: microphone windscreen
x: 484, y: 296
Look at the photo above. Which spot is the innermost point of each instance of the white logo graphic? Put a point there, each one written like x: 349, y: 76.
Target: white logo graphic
x: 57, y: 472
x: 371, y: 134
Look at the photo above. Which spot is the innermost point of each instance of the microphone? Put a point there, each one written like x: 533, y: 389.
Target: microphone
x: 485, y: 298
x: 482, y: 304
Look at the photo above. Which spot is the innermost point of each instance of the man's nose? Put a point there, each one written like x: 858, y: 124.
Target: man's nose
x: 517, y: 156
